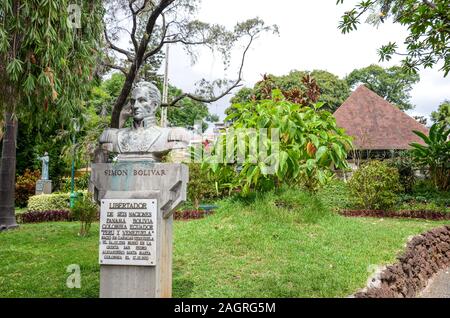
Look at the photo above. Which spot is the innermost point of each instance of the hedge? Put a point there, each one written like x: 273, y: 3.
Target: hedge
x: 44, y: 216
x: 50, y: 202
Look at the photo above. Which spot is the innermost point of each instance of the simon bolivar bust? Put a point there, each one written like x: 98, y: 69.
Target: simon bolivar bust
x: 145, y: 140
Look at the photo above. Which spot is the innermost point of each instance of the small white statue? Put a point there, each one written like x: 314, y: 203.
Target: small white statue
x: 45, y: 160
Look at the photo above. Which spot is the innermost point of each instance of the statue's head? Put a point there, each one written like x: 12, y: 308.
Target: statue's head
x: 145, y: 100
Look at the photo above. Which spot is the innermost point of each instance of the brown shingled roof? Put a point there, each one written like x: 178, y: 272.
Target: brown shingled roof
x: 376, y: 124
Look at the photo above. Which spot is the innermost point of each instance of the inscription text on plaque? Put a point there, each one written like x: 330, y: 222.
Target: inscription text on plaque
x: 128, y: 232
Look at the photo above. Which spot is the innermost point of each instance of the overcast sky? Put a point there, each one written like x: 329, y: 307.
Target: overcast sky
x: 308, y: 40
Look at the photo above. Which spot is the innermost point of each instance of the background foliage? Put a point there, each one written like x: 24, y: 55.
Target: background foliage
x: 393, y: 83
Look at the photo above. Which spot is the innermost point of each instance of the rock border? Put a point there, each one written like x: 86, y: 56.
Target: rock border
x: 425, y: 255
x: 402, y: 214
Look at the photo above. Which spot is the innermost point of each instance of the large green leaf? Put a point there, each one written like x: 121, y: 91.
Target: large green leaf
x: 423, y: 136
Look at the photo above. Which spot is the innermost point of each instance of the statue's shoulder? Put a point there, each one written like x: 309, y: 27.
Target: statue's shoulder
x: 179, y: 134
x: 109, y: 135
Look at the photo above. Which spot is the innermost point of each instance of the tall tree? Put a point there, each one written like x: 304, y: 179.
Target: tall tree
x: 170, y: 22
x: 428, y: 23
x: 332, y: 90
x: 442, y: 115
x: 47, y: 52
x: 393, y: 84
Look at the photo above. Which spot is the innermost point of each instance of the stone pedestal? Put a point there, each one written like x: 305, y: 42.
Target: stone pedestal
x: 123, y: 184
x: 43, y: 187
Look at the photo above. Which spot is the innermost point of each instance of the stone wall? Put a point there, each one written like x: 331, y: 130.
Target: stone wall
x: 425, y: 255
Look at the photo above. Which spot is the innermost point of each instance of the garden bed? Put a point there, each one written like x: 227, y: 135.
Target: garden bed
x: 402, y: 214
x: 44, y: 216
x: 187, y: 215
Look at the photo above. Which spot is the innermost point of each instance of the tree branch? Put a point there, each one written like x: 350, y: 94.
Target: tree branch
x: 137, y: 62
x: 161, y: 44
x: 128, y: 54
x: 116, y: 67
x: 133, y: 30
x: 226, y: 92
x: 429, y: 3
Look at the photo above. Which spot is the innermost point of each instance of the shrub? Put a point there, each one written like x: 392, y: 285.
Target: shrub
x: 335, y: 194
x: 425, y: 192
x: 375, y: 186
x: 26, y: 187
x: 200, y: 187
x: 48, y: 202
x: 405, y: 165
x: 44, y: 216
x: 85, y: 210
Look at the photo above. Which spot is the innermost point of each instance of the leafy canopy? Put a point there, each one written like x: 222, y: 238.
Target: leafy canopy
x: 442, y: 115
x: 303, y: 87
x: 428, y: 23
x: 46, y: 64
x: 393, y: 83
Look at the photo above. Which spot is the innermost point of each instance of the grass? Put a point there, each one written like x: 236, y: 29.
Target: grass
x: 288, y: 244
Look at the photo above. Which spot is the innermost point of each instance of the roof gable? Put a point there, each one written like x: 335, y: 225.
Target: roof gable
x: 376, y: 124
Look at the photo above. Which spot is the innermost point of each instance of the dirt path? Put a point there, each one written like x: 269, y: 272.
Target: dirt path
x: 439, y: 286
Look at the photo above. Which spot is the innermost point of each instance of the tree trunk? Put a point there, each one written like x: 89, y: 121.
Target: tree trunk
x: 8, y: 174
x: 122, y: 98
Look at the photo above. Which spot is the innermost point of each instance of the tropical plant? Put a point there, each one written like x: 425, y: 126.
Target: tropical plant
x: 375, y: 186
x: 303, y: 145
x: 435, y: 154
x: 85, y: 210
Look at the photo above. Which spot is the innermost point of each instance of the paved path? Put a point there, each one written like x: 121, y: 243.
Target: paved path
x: 439, y: 286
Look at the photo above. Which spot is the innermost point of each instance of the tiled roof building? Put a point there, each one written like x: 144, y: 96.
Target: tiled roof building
x: 376, y: 124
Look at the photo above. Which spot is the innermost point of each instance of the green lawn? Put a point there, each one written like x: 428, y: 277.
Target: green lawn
x: 290, y: 245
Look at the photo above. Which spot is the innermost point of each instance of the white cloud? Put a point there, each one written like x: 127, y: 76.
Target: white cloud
x: 309, y: 39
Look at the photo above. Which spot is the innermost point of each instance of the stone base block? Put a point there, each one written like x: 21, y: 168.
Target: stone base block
x: 43, y: 187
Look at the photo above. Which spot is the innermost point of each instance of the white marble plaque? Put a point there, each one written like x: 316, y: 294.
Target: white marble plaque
x: 128, y: 232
